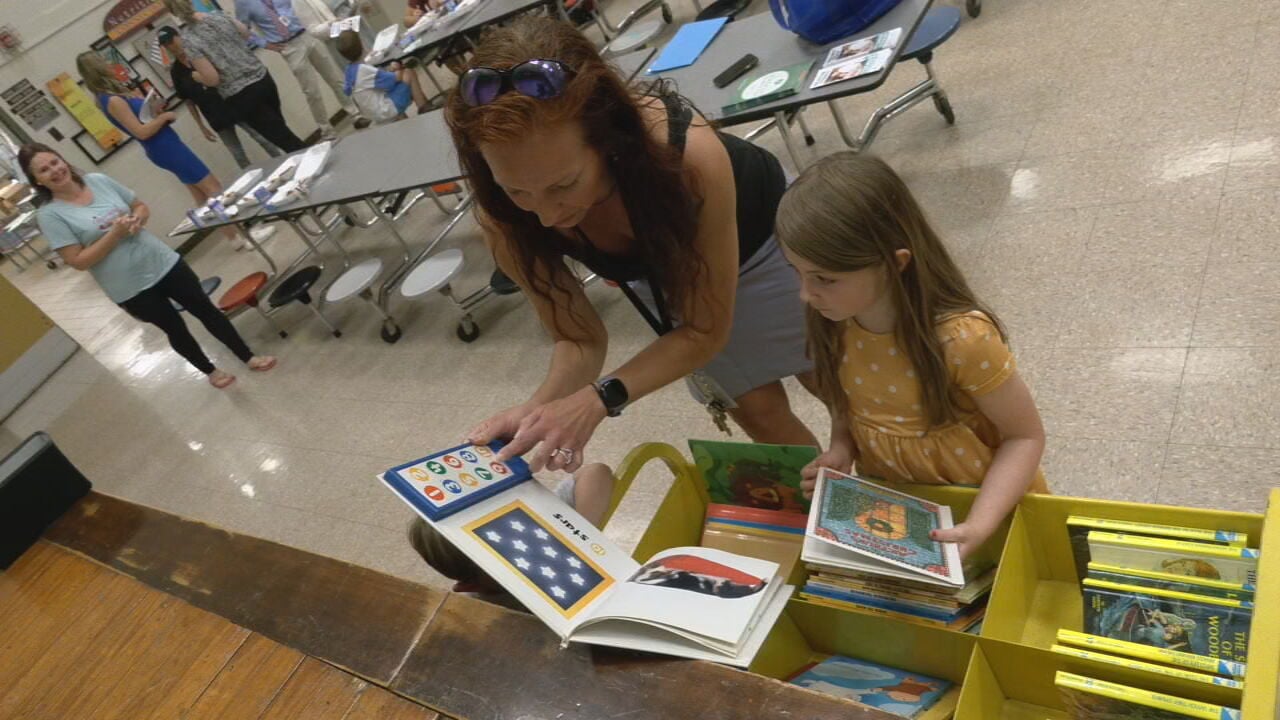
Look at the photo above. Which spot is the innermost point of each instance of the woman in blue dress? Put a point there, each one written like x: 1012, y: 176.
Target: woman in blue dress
x: 124, y: 107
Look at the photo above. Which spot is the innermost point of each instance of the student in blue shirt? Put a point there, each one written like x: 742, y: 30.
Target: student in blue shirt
x: 275, y: 26
x: 381, y: 95
x: 96, y: 225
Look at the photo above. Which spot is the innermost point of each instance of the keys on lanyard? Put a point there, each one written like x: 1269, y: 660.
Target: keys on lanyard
x: 719, y: 417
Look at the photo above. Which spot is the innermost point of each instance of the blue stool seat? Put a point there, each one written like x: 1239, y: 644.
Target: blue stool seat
x: 936, y: 27
x: 208, y: 284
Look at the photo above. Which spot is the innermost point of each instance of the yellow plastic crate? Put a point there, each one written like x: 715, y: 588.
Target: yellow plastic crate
x: 1007, y: 671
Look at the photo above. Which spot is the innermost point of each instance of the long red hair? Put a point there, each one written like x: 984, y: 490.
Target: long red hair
x: 648, y: 173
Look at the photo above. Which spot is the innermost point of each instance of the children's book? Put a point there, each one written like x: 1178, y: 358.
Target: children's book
x: 764, y: 87
x: 1078, y: 527
x: 753, y: 475
x: 687, y: 44
x: 1195, y: 627
x: 1146, y: 667
x: 961, y: 623
x: 850, y: 69
x: 1168, y: 581
x: 337, y: 27
x: 977, y: 587
x: 858, y: 525
x: 382, y: 43
x: 1177, y: 557
x: 853, y: 49
x: 1090, y: 699
x: 1152, y: 653
x: 1169, y: 593
x: 689, y: 602
x: 895, y: 691
x: 785, y: 551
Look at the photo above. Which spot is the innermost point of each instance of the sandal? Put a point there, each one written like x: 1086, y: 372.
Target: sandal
x: 221, y: 379
x: 262, y: 363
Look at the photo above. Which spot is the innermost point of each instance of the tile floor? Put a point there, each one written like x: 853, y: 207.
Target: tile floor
x: 1111, y: 187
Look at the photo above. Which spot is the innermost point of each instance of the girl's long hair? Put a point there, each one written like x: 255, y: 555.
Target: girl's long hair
x: 648, y: 173
x: 27, y: 155
x: 851, y: 211
x: 98, y: 76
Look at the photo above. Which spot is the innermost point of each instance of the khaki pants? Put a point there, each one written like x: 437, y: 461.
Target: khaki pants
x: 445, y: 558
x: 311, y: 64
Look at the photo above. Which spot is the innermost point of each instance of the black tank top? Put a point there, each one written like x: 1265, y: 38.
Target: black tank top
x: 758, y: 179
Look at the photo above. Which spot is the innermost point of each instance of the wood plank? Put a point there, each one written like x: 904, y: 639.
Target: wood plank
x: 378, y: 704
x: 350, y: 616
x: 316, y: 691
x: 477, y: 660
x: 248, y: 683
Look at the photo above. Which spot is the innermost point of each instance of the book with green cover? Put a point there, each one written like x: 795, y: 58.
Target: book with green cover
x: 1078, y: 527
x: 1169, y: 581
x: 767, y: 86
x: 1120, y: 660
x: 1155, y: 654
x: 753, y: 475
x: 1091, y: 699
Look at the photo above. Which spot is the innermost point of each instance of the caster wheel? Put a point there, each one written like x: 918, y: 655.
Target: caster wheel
x: 944, y: 107
x: 468, y: 331
x: 284, y: 334
x: 51, y: 265
x: 809, y: 140
x: 666, y: 15
x: 391, y: 335
x: 348, y: 221
x: 973, y: 7
x: 337, y: 333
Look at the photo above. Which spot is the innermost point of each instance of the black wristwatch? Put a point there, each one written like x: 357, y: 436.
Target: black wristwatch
x: 613, y: 394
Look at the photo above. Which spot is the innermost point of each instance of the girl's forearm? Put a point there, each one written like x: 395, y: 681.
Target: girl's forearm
x: 1011, y: 473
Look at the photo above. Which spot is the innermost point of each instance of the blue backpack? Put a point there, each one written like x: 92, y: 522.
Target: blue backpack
x: 822, y: 21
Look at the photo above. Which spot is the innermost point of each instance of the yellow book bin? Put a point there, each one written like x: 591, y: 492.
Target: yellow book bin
x: 1006, y: 671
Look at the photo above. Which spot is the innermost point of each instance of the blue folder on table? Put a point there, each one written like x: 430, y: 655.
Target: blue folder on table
x: 689, y: 42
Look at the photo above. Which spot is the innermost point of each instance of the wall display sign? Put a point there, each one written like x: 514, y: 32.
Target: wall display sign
x: 81, y: 106
x: 29, y: 103
x: 130, y: 16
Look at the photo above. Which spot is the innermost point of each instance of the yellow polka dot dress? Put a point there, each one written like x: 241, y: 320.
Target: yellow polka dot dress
x: 888, y: 419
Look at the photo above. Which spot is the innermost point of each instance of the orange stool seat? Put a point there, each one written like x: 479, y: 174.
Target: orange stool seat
x: 244, y: 292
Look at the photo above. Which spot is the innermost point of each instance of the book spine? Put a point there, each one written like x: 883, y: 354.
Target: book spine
x: 1172, y: 556
x: 745, y: 526
x: 859, y: 599
x: 1146, y: 698
x: 1139, y: 665
x: 1177, y: 546
x: 959, y: 625
x: 932, y: 601
x: 1164, y: 655
x: 1226, y: 537
x: 1166, y: 593
x: 1237, y: 591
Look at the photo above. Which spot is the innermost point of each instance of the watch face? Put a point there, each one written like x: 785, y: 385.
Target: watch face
x: 614, y: 393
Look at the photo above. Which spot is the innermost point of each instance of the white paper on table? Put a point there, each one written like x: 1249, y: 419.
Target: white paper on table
x: 383, y: 42
x: 287, y: 193
x: 312, y: 162
x: 241, y: 186
x: 150, y: 103
x: 340, y: 26
x: 282, y: 173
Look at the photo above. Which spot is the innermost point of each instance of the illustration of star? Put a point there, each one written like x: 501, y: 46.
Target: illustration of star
x: 576, y: 578
x: 550, y: 552
x: 519, y: 545
x: 516, y: 525
x: 555, y: 590
x: 575, y: 563
x: 493, y: 536
x: 547, y: 572
x: 540, y: 534
x: 523, y: 564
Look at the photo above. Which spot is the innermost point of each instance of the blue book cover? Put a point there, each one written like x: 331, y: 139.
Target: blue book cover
x: 1191, y: 627
x: 892, y: 690
x: 689, y: 42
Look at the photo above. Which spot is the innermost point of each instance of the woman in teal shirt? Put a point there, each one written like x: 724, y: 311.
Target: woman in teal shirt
x: 96, y: 224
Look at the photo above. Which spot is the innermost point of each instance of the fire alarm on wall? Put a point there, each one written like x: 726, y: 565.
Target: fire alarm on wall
x: 9, y: 38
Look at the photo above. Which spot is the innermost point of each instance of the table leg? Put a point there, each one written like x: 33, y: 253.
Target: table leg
x: 248, y: 237
x: 781, y: 119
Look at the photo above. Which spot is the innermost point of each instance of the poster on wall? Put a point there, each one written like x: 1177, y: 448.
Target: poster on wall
x: 116, y: 60
x: 130, y: 16
x: 82, y: 107
x: 156, y: 56
x: 27, y: 102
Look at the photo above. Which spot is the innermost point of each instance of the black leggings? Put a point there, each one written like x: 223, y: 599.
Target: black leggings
x: 258, y: 106
x: 181, y: 284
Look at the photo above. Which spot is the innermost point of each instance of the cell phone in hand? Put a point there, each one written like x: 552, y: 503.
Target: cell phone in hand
x: 736, y: 70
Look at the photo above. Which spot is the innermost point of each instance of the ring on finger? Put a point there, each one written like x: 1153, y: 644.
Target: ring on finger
x: 565, y: 455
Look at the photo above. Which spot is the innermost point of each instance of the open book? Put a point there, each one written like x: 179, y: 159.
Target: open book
x: 693, y: 602
x: 859, y: 525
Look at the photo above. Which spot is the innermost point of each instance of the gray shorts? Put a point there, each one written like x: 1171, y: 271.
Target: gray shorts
x: 766, y: 342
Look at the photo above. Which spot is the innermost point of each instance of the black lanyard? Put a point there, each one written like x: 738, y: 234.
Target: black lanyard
x: 661, y: 323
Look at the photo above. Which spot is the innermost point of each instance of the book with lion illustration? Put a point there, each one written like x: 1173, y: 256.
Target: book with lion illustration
x: 765, y: 477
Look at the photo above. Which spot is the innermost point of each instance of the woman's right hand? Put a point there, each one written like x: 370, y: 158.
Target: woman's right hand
x: 169, y: 117
x: 839, y: 458
x: 210, y: 135
x: 502, y: 426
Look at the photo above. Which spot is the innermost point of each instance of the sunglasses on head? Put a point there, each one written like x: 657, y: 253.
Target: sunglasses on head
x: 538, y: 79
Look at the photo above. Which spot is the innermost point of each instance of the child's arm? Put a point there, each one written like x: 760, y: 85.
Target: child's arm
x: 840, y: 454
x: 1013, y: 411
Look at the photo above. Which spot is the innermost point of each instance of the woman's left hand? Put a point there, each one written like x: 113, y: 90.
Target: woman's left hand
x: 560, y: 431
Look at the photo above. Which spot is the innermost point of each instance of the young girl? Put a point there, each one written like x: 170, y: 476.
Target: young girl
x: 914, y: 369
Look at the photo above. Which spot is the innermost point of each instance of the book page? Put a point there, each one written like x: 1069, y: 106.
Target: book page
x: 710, y: 593
x: 884, y: 525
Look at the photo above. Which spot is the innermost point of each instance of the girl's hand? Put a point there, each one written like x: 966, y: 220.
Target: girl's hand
x: 838, y: 458
x: 968, y: 536
x: 559, y: 430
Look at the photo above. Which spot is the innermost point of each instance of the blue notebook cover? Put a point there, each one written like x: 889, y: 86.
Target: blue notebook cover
x: 689, y: 42
x: 892, y: 690
x: 441, y: 484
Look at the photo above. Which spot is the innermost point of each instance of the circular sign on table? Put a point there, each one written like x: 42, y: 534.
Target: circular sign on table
x: 484, y: 474
x: 452, y: 487
x: 468, y: 479
x: 483, y: 451
x: 469, y: 456
x: 452, y: 461
x: 433, y: 493
x: 499, y: 468
x: 436, y: 468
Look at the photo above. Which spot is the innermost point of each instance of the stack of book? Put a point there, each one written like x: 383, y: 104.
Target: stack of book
x: 906, y: 694
x: 757, y: 508
x: 1166, y: 601
x: 869, y: 550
